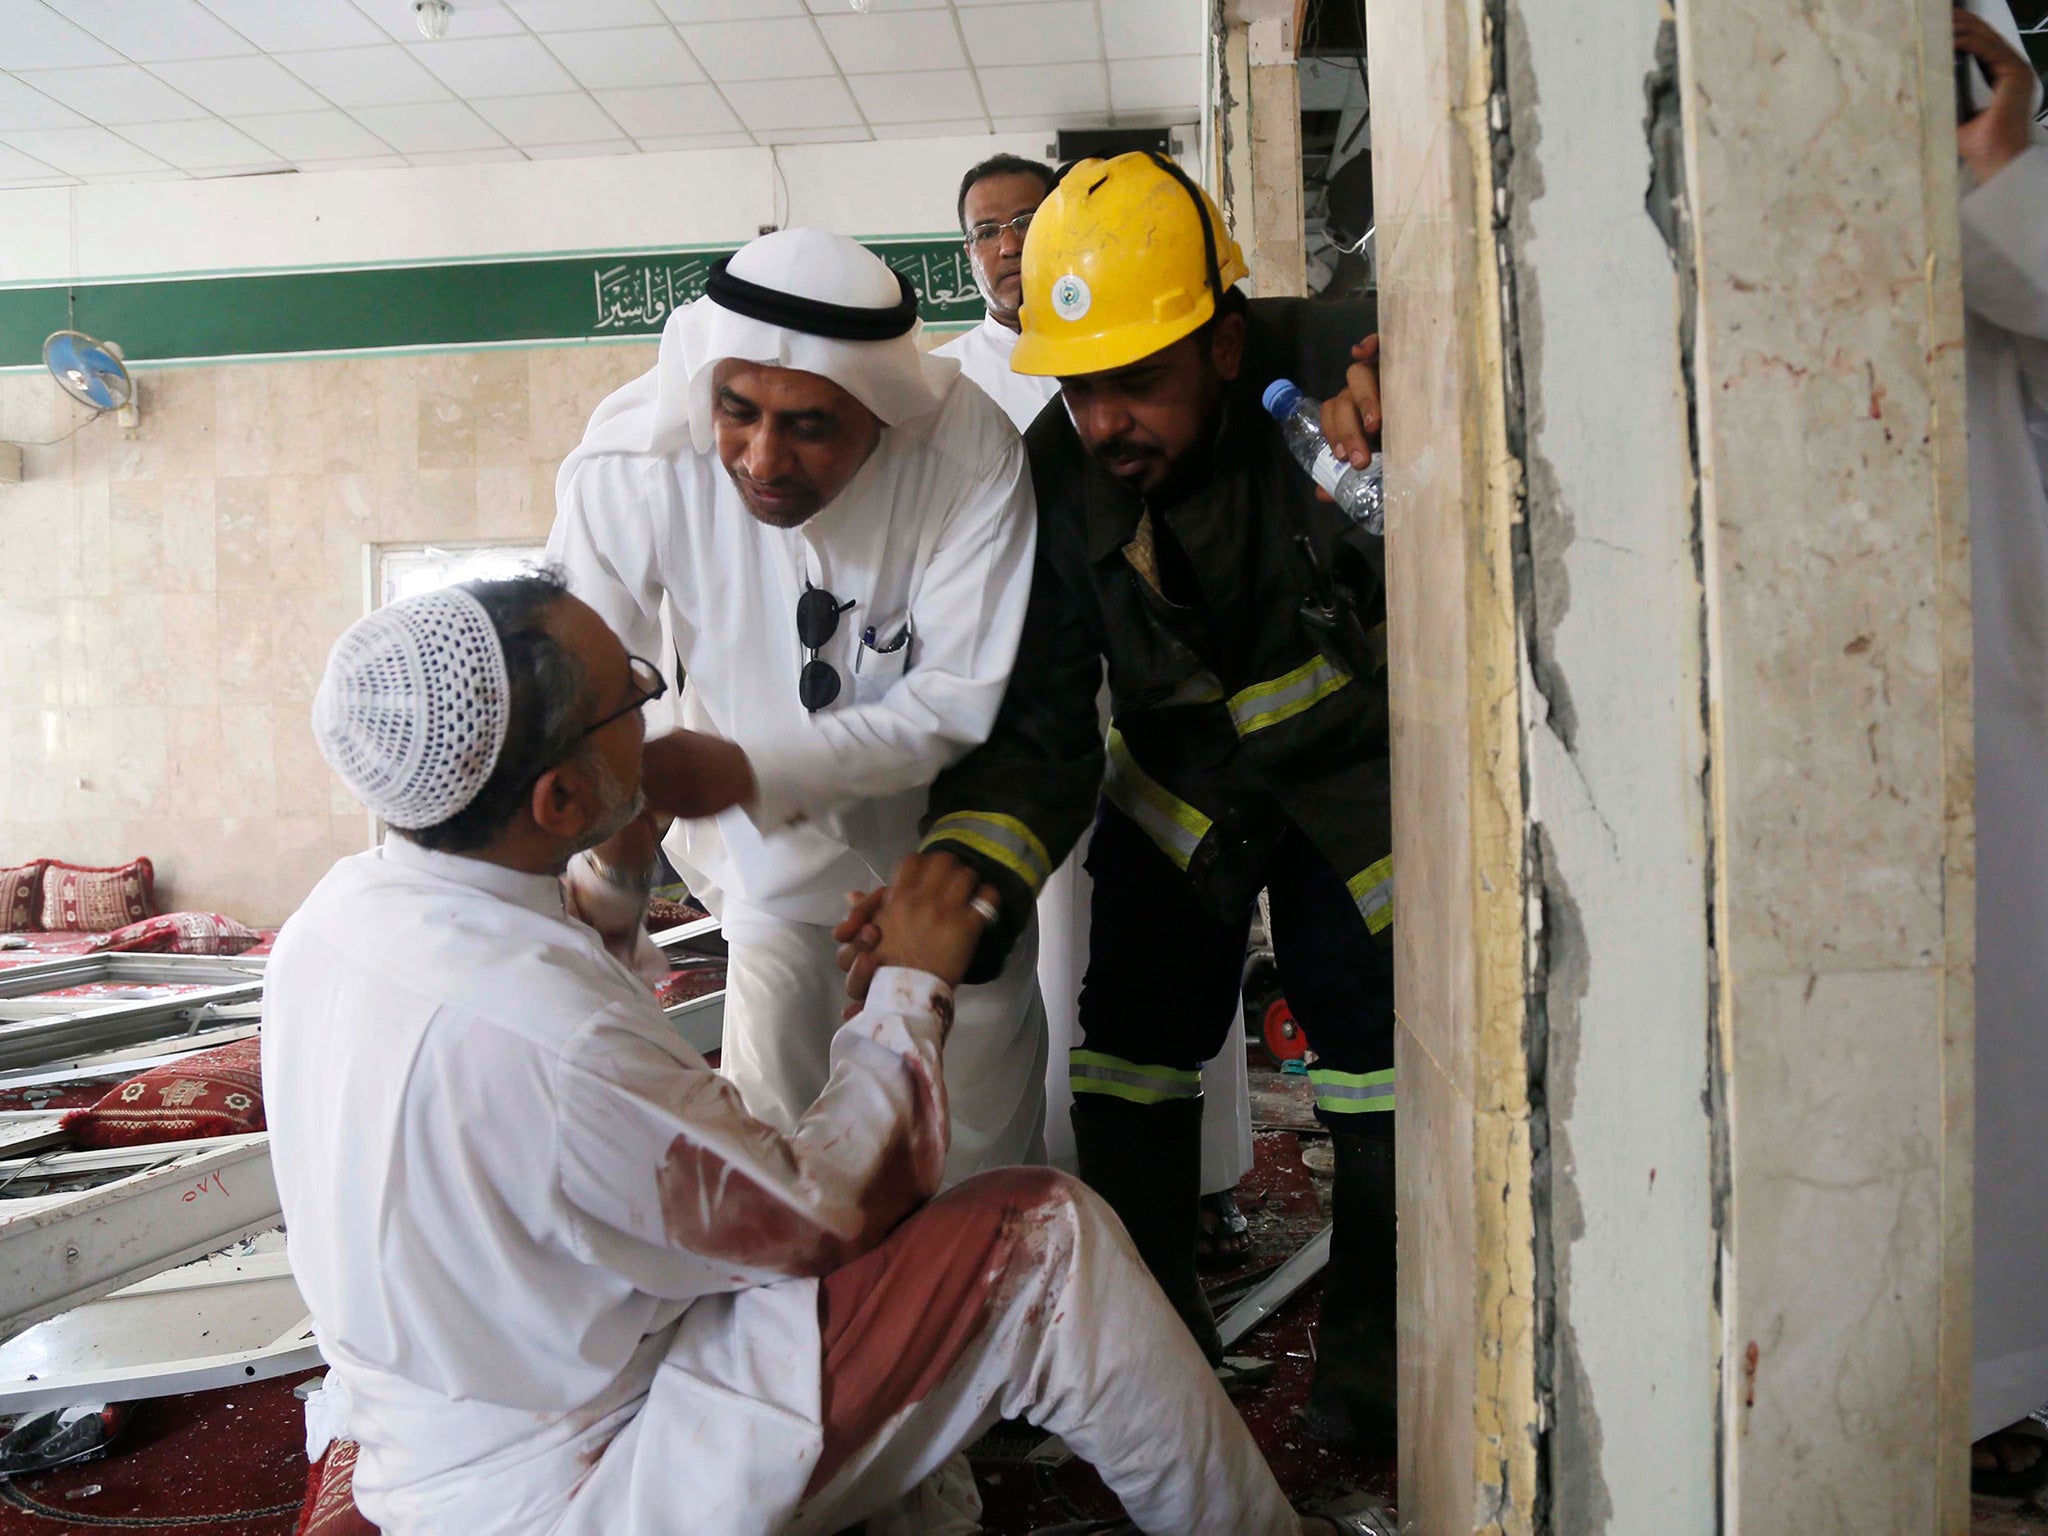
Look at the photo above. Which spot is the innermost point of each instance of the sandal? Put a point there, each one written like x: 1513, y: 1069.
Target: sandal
x: 1226, y: 1237
x: 1354, y: 1514
x: 2011, y: 1463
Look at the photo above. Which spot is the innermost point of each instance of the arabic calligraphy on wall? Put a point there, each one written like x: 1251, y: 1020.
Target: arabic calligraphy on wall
x: 466, y: 304
x: 640, y: 295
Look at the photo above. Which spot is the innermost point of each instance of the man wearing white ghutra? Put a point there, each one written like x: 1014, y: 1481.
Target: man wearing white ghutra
x: 833, y: 533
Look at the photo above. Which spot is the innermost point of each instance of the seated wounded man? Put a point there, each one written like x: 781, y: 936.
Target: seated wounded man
x: 564, y: 1281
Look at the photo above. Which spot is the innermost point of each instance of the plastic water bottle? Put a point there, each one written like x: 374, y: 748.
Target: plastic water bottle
x: 1356, y: 491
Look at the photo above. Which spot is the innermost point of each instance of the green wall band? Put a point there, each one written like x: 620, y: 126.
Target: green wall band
x: 594, y: 298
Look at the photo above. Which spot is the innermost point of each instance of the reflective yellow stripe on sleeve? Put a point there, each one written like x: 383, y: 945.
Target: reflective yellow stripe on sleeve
x: 1264, y: 704
x: 1352, y: 1093
x: 1003, y: 839
x: 1096, y: 1072
x: 1373, y: 889
x: 1177, y: 827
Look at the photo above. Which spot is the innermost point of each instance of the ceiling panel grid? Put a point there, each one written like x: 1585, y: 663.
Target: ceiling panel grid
x: 116, y: 90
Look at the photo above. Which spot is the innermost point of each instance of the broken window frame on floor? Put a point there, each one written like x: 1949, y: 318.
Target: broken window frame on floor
x: 166, y: 1225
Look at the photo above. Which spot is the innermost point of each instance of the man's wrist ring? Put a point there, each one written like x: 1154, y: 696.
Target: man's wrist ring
x: 986, y: 908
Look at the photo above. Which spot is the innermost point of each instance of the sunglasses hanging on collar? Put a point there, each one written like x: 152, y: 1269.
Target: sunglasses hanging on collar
x: 817, y: 621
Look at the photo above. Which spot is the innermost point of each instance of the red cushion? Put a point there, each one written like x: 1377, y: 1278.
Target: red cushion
x: 330, y: 1508
x: 180, y: 933
x: 80, y: 899
x: 210, y: 1093
x: 21, y: 897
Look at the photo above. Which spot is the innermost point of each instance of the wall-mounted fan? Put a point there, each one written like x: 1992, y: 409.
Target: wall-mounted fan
x: 89, y: 371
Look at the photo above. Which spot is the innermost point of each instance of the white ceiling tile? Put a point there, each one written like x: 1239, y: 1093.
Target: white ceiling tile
x: 241, y: 87
x: 276, y: 27
x: 582, y: 15
x: 579, y: 151
x: 84, y: 151
x: 566, y: 119
x: 303, y: 136
x: 1154, y: 84
x: 153, y: 30
x: 1045, y: 89
x: 1048, y: 122
x: 740, y: 140
x: 669, y: 111
x: 31, y: 183
x: 1151, y: 29
x: 839, y: 7
x: 872, y: 45
x: 16, y: 166
x: 383, y: 76
x: 817, y: 103
x: 842, y: 135
x: 471, y: 18
x: 1032, y: 34
x: 120, y: 93
x: 927, y: 97
x: 129, y: 178
x: 758, y: 50
x: 466, y: 156
x: 21, y: 107
x: 356, y: 163
x: 729, y: 10
x: 32, y: 36
x: 628, y: 56
x: 197, y: 146
x: 433, y: 127
x: 494, y: 66
x: 964, y: 128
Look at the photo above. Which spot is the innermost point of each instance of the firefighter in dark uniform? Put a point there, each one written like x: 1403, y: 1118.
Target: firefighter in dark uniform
x: 1242, y: 621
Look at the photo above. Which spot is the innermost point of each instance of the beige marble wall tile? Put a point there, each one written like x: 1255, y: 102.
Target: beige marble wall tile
x: 169, y: 595
x: 241, y: 535
x: 248, y: 762
x: 189, y: 536
x: 33, y: 670
x: 347, y: 411
x: 506, y: 507
x: 91, y: 527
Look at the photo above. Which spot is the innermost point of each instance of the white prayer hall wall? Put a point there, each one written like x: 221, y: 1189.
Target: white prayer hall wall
x: 168, y: 595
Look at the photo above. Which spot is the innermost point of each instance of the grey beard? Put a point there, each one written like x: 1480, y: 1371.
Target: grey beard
x: 619, y: 807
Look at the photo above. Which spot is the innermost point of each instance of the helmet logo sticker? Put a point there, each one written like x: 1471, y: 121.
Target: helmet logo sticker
x: 1070, y: 297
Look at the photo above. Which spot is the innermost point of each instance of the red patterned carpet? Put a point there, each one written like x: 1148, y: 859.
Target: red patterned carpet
x: 232, y: 1463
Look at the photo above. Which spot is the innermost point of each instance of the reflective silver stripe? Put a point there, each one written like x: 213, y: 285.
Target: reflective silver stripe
x: 1264, y: 704
x: 1177, y: 827
x: 1003, y: 839
x: 1373, y: 889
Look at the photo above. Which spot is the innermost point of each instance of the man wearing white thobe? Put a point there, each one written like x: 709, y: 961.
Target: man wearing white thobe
x: 686, y: 520
x: 996, y: 201
x: 2005, y: 328
x: 564, y: 1281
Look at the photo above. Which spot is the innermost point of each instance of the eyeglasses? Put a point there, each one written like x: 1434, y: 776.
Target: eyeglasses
x: 648, y: 679
x: 817, y: 621
x: 989, y: 234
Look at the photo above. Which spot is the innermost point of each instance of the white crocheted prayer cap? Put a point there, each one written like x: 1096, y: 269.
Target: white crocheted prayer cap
x: 412, y: 709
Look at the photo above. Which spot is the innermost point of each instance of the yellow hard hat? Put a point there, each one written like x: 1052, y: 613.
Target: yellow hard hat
x: 1126, y: 256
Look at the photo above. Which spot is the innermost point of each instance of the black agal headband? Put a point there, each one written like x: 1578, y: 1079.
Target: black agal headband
x: 814, y: 317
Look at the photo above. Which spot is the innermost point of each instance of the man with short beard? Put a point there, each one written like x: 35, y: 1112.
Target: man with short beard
x: 998, y: 198
x: 563, y: 1281
x: 831, y: 534
x: 1241, y: 623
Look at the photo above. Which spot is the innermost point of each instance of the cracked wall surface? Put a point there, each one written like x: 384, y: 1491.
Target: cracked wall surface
x: 1611, y: 618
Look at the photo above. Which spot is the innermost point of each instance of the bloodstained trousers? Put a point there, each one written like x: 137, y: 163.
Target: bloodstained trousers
x: 1017, y: 1295
x: 1164, y: 975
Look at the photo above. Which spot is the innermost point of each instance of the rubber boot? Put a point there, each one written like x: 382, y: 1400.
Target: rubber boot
x: 1146, y: 1161
x: 1352, y: 1400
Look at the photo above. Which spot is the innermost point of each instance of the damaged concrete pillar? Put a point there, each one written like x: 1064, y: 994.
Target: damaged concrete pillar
x: 1679, y: 664
x: 1259, y: 101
